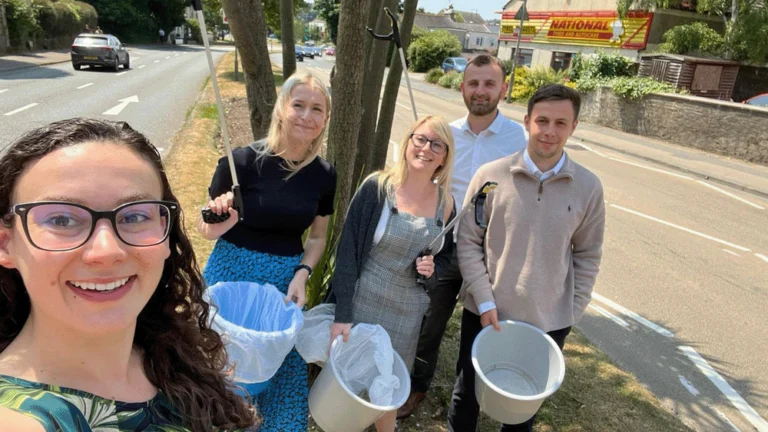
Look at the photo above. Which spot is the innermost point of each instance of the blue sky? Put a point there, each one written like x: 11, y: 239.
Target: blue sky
x: 484, y: 7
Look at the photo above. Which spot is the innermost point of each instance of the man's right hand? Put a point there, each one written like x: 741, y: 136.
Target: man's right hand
x: 490, y: 317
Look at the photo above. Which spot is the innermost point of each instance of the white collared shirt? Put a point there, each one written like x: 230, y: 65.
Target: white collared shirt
x: 502, y: 138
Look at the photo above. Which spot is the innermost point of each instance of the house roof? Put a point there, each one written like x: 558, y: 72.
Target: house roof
x: 469, y: 17
x: 695, y: 59
x: 475, y: 28
x: 428, y: 21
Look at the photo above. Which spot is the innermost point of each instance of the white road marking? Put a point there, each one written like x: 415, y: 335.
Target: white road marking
x: 142, y: 66
x: 747, y: 411
x: 175, y: 55
x: 688, y: 386
x: 121, y: 73
x: 590, y: 149
x: 168, y: 57
x: 157, y: 61
x: 395, y: 151
x: 610, y: 316
x: 762, y: 257
x: 653, y: 326
x: 117, y: 109
x: 649, y: 168
x: 20, y: 109
x: 724, y: 192
x: 404, y: 106
x: 160, y: 149
x: 84, y: 86
x: 726, y: 420
x: 3, y: 90
x: 731, y: 252
x: 690, y: 231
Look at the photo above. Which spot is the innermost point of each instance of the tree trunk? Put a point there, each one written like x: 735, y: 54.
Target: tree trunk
x: 246, y: 21
x: 377, y: 158
x: 376, y: 62
x: 5, y: 40
x: 346, y: 111
x: 286, y: 34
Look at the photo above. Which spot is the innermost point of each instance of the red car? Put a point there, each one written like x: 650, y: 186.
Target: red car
x: 331, y: 51
x: 759, y: 100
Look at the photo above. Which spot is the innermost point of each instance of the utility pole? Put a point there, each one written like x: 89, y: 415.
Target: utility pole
x: 522, y: 13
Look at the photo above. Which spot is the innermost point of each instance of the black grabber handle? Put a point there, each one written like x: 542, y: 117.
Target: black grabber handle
x: 421, y: 279
x: 210, y: 217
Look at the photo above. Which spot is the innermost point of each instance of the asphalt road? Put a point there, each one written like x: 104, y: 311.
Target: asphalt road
x: 682, y: 295
x: 160, y: 87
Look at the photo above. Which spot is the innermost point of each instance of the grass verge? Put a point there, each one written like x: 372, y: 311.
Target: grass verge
x: 596, y: 395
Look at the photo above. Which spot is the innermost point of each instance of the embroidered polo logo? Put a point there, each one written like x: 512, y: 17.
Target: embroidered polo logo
x: 569, y: 208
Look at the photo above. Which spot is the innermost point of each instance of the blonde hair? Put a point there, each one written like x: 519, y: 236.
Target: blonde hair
x: 271, y: 143
x: 397, y: 174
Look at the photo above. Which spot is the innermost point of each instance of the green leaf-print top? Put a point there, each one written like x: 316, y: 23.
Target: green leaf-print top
x: 61, y: 409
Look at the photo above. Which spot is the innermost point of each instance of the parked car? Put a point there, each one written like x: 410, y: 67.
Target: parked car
x: 759, y: 100
x: 99, y: 50
x: 299, y: 53
x: 457, y: 64
x: 331, y: 51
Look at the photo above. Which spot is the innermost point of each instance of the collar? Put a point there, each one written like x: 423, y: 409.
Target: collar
x: 518, y: 165
x: 534, y: 169
x: 494, y: 127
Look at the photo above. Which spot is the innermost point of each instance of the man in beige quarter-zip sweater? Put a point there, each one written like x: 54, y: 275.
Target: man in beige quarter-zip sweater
x: 539, y: 257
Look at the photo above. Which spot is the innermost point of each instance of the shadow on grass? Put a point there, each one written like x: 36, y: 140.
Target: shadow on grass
x: 230, y: 75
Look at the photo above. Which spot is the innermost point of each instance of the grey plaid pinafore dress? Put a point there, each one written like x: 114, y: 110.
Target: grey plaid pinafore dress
x: 387, y: 292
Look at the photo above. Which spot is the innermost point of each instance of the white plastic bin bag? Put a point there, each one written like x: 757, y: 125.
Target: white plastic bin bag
x: 315, y: 336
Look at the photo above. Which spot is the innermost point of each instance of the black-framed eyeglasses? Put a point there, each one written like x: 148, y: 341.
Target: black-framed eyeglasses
x: 419, y: 141
x: 59, y: 226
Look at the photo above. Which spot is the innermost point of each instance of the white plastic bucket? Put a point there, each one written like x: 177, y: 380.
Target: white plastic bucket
x: 517, y: 368
x: 335, y: 408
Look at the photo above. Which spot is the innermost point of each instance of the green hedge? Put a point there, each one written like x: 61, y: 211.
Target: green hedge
x: 429, y: 50
x: 447, y: 79
x: 194, y: 27
x: 46, y: 24
x: 433, y: 75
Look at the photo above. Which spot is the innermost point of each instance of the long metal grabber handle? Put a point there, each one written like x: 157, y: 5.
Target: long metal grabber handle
x: 394, y: 36
x: 208, y: 215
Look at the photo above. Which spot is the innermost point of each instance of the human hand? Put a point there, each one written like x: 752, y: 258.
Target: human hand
x: 297, y: 289
x: 425, y: 266
x: 219, y: 205
x: 490, y: 317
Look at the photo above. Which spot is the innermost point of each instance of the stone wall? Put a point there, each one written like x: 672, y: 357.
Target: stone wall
x: 730, y: 129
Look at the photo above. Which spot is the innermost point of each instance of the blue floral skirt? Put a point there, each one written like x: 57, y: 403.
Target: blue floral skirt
x: 283, y: 405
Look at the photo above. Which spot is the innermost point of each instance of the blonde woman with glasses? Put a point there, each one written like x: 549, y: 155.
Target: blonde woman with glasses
x: 287, y: 188
x: 394, y: 216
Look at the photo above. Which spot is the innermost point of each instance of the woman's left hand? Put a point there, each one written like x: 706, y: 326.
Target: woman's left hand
x: 297, y: 289
x: 425, y: 265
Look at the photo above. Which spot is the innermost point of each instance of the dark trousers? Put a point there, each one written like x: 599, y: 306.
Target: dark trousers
x: 462, y: 415
x: 441, y: 305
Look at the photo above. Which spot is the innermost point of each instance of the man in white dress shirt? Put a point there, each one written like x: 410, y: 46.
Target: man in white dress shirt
x: 483, y: 135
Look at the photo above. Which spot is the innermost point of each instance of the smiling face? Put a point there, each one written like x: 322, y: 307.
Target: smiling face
x: 102, y: 286
x: 424, y: 158
x: 482, y: 88
x: 305, y: 114
x: 550, y: 125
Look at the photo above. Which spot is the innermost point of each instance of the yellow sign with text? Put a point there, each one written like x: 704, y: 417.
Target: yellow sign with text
x: 580, y: 28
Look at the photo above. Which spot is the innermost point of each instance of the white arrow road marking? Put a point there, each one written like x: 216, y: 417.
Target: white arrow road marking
x: 20, y: 109
x: 746, y: 410
x: 84, y: 86
x: 3, y: 90
x: 117, y: 109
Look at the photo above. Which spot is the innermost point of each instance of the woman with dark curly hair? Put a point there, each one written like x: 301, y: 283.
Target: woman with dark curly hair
x: 102, y: 321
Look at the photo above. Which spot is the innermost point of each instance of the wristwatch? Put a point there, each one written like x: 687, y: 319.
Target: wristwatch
x: 303, y: 266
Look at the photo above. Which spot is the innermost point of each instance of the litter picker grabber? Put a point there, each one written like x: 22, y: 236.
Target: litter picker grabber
x: 208, y: 215
x: 477, y: 202
x: 394, y: 36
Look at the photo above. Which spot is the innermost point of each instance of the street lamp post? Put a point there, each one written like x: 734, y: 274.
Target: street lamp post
x: 517, y: 52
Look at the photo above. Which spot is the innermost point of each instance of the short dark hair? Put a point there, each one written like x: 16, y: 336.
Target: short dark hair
x: 556, y: 92
x: 484, y: 60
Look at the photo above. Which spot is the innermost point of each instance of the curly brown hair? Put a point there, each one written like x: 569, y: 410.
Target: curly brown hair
x: 182, y: 355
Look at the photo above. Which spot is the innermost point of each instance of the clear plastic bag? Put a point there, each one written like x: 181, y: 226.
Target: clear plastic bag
x: 315, y: 337
x: 258, y: 327
x: 365, y: 363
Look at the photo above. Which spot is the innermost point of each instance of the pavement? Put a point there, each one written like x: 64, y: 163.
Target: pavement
x: 22, y: 61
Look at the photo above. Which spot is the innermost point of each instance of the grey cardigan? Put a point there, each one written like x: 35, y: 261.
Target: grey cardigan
x: 356, y: 242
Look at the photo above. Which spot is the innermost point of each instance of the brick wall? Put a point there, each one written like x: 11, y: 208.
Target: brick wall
x: 728, y: 129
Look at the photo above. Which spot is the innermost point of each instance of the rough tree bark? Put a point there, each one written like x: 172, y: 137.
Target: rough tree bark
x: 246, y: 21
x: 5, y: 41
x: 377, y: 157
x: 347, y: 90
x: 374, y: 74
x: 287, y: 37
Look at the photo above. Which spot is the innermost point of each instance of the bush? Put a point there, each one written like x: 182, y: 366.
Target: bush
x: 49, y: 24
x: 430, y: 50
x: 601, y: 66
x: 530, y: 80
x: 692, y: 38
x: 194, y: 27
x: 636, y: 88
x: 457, y: 80
x: 447, y: 79
x: 23, y: 24
x: 433, y: 75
